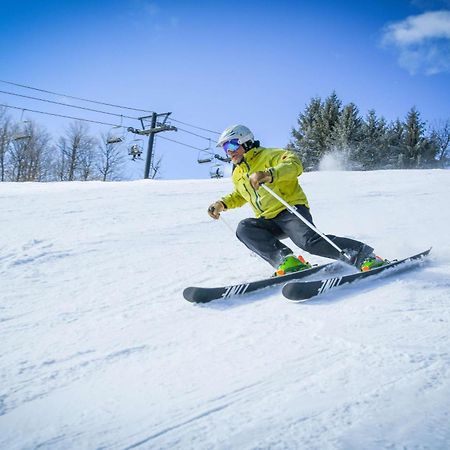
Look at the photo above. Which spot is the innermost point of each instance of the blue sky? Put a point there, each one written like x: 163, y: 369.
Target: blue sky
x: 213, y: 64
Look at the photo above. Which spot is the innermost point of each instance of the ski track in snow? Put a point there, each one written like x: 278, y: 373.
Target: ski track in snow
x: 99, y: 350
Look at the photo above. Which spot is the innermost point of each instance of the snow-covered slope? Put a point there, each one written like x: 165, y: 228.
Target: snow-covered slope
x: 99, y: 349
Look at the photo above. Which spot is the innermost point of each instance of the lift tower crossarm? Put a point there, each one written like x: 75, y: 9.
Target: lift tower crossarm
x: 155, y: 127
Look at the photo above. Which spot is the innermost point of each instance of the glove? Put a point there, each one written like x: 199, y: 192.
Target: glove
x: 215, y: 209
x: 257, y: 178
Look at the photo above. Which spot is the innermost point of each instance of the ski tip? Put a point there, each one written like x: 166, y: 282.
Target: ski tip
x: 198, y: 295
x: 188, y: 294
x: 291, y: 293
x: 420, y: 255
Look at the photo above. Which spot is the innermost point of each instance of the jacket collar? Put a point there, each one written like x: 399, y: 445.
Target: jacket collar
x: 248, y: 156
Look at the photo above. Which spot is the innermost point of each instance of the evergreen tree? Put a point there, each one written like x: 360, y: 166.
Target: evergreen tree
x: 308, y: 142
x: 395, y: 144
x: 329, y: 119
x: 326, y: 126
x: 316, y: 125
x: 414, y: 142
x: 427, y: 157
x: 347, y: 132
x: 373, y: 148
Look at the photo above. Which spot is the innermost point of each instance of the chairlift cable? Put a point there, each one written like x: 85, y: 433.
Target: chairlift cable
x: 61, y: 115
x: 181, y: 143
x: 66, y: 104
x: 193, y: 126
x: 92, y: 121
x: 194, y: 134
x: 103, y: 103
x: 75, y: 98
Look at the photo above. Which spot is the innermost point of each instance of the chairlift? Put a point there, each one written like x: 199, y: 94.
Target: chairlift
x: 21, y: 136
x: 136, y: 149
x: 114, y: 140
x: 216, y: 171
x: 114, y: 137
x: 22, y: 133
x: 204, y: 156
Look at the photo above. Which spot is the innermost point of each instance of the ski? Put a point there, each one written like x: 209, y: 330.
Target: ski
x: 304, y: 290
x: 204, y: 294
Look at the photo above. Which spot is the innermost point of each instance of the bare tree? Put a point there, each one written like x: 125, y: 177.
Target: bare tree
x: 30, y: 153
x: 155, y: 170
x: 62, y: 161
x: 76, y: 152
x: 87, y: 161
x: 440, y: 134
x: 110, y: 158
x: 5, y: 140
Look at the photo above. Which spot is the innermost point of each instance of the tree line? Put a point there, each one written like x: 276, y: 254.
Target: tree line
x: 324, y: 128
x: 28, y: 153
x: 327, y: 127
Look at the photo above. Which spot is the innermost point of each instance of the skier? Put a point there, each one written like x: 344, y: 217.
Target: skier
x: 279, y: 169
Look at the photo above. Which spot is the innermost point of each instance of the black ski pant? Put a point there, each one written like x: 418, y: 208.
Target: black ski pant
x: 263, y: 236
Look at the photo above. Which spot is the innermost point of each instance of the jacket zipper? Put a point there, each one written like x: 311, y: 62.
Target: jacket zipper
x: 257, y: 202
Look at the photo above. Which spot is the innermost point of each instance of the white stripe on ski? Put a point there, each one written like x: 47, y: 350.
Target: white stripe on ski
x: 235, y: 290
x: 328, y: 284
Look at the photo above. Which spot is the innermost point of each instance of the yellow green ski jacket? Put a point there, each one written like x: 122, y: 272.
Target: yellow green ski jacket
x: 284, y: 166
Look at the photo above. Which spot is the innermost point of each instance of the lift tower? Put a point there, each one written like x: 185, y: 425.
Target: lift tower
x: 158, y: 123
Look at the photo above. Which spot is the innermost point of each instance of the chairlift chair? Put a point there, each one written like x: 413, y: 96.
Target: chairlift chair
x: 21, y: 136
x: 22, y: 133
x: 216, y: 171
x: 113, y: 137
x: 136, y: 149
x: 204, y: 157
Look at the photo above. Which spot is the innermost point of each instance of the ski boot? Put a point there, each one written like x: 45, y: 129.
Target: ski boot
x: 292, y: 264
x: 371, y: 262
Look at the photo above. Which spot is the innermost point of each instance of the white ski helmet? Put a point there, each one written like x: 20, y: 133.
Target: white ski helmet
x: 239, y: 132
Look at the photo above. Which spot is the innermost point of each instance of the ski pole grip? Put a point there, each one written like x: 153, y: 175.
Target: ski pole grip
x: 346, y: 256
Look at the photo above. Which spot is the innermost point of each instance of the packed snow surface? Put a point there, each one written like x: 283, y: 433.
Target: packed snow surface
x: 100, y: 350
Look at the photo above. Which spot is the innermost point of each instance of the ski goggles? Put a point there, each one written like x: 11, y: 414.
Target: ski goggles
x: 231, y: 146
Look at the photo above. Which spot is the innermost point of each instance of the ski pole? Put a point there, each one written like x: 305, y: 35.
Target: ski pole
x: 225, y: 222
x: 305, y: 221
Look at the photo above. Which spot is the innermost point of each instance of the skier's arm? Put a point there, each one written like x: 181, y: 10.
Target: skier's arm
x: 233, y: 200
x: 215, y: 209
x: 285, y: 165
